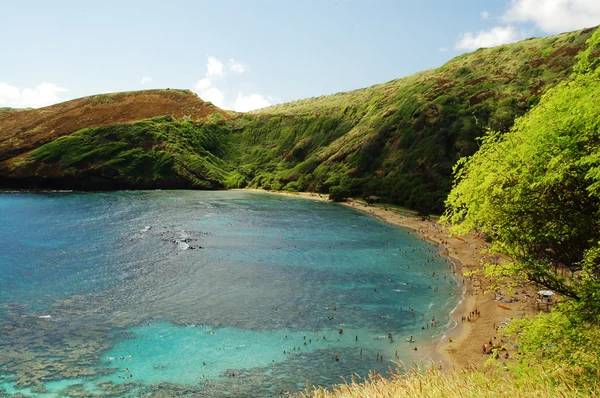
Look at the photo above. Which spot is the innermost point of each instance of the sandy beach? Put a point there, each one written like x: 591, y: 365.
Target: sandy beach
x: 482, y: 314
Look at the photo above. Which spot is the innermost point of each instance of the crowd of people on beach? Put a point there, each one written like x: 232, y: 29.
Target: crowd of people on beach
x: 472, y: 315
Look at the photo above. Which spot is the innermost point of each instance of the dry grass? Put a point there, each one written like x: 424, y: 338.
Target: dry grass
x: 431, y: 382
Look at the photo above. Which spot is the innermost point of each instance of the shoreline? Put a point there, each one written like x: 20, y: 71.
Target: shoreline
x: 467, y: 331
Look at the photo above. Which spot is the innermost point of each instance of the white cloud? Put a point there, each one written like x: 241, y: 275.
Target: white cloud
x: 203, y: 84
x: 236, y: 67
x: 42, y: 95
x: 554, y: 16
x: 488, y: 38
x: 247, y: 103
x: 8, y: 93
x: 206, y: 89
x: 550, y: 16
x: 145, y: 79
x: 214, y: 67
x: 213, y: 95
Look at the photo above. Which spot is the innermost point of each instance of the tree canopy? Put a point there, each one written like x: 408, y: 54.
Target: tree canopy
x: 535, y: 191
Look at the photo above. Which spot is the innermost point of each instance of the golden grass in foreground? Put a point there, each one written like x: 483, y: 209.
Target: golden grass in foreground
x: 456, y: 383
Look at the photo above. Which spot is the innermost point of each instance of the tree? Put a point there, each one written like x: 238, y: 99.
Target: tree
x: 536, y: 190
x: 338, y: 194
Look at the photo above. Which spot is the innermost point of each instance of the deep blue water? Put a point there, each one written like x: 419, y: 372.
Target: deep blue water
x: 214, y: 293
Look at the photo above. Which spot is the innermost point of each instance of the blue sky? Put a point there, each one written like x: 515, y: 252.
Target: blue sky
x: 247, y: 54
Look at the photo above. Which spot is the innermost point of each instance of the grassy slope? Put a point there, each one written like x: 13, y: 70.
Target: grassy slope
x: 106, y: 142
x: 146, y: 153
x: 398, y: 140
x: 22, y: 130
x: 492, y: 383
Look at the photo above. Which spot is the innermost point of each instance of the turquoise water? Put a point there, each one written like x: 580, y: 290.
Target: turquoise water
x: 206, y: 293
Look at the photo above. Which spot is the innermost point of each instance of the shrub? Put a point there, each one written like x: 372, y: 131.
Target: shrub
x: 338, y: 194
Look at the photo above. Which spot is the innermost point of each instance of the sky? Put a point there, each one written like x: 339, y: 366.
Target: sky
x: 247, y: 54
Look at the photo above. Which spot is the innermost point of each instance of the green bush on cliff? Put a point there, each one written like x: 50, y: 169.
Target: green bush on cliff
x: 558, y: 345
x: 536, y: 190
x: 338, y: 194
x: 145, y: 152
x: 535, y: 193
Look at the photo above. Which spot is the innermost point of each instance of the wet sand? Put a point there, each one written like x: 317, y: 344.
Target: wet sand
x: 468, y: 334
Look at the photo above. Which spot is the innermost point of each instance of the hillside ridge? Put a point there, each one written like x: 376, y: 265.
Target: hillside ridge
x: 398, y: 140
x: 24, y: 129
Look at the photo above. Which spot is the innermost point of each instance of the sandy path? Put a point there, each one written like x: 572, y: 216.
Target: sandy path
x: 468, y: 335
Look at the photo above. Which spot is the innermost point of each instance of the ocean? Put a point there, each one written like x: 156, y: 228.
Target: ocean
x: 207, y: 293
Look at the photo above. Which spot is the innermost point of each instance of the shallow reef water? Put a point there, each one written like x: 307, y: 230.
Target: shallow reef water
x: 187, y: 293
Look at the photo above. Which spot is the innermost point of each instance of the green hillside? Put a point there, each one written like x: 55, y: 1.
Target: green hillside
x: 398, y: 140
x: 535, y: 193
x: 530, y: 186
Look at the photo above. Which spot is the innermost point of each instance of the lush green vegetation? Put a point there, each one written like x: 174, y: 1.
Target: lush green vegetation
x: 404, y: 136
x: 490, y: 383
x: 147, y: 153
x: 535, y: 192
x: 532, y: 187
x: 397, y: 140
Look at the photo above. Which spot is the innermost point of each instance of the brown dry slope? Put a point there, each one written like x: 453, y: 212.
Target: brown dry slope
x: 24, y: 130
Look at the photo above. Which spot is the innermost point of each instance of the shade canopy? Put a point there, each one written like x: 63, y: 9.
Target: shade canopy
x: 545, y: 293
